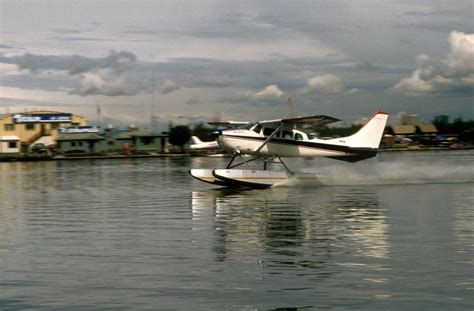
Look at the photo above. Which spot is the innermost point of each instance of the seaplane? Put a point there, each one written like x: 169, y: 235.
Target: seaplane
x: 271, y: 140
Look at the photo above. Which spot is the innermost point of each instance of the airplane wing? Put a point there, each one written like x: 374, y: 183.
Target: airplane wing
x: 303, y: 123
x: 230, y: 124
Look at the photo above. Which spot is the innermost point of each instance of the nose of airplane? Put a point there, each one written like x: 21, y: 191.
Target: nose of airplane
x: 216, y: 133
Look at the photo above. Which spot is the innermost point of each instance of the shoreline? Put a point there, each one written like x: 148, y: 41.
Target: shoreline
x: 33, y: 158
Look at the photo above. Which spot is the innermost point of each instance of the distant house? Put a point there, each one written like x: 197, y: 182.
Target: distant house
x: 9, y: 145
x: 427, y: 135
x: 402, y: 134
x: 407, y: 134
x: 140, y: 141
x: 80, y: 144
x: 110, y: 141
x: 405, y: 130
x: 427, y: 129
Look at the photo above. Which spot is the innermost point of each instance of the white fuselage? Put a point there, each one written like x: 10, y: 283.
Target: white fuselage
x: 294, y: 144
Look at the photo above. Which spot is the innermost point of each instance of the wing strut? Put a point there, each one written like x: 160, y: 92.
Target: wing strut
x: 269, y: 138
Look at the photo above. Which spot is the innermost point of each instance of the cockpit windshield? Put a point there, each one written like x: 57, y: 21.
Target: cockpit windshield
x: 249, y: 125
x: 257, y: 128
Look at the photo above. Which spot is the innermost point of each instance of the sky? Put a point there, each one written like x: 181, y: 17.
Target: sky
x: 191, y: 61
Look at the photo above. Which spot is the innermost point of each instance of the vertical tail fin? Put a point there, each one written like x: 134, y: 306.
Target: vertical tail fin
x: 195, y: 140
x: 370, y: 135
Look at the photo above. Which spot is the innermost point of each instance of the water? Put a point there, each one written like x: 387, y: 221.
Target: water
x: 392, y: 233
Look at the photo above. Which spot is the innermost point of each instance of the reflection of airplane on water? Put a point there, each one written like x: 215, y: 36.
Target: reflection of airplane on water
x: 271, y: 140
x: 325, y: 231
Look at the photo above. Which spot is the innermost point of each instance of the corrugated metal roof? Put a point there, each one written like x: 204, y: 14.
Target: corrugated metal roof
x: 403, y: 129
x: 80, y: 137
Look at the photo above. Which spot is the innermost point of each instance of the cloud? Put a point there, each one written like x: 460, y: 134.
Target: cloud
x: 74, y: 64
x: 271, y: 91
x: 117, y: 74
x: 325, y: 84
x: 107, y: 82
x: 193, y: 101
x: 270, y: 94
x: 168, y: 86
x: 455, y: 74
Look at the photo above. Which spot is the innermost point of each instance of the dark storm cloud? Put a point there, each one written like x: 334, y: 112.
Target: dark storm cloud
x: 117, y: 74
x: 74, y: 64
x: 4, y: 46
x: 72, y: 39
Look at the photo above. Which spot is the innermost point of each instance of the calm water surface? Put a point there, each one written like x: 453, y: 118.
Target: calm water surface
x: 395, y: 232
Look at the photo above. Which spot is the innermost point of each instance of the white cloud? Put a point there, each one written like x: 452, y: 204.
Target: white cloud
x: 269, y: 94
x: 271, y: 91
x: 325, y: 84
x: 106, y: 82
x: 454, y: 74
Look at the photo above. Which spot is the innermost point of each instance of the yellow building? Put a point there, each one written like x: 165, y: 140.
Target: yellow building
x: 31, y: 127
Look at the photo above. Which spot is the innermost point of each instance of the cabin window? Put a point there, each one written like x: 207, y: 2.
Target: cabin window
x: 30, y: 126
x: 257, y: 129
x: 9, y: 127
x: 268, y: 131
x: 298, y: 136
x: 286, y: 135
x: 73, y: 143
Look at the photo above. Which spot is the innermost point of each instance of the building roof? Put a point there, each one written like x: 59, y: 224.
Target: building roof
x: 130, y: 135
x: 72, y: 137
x: 403, y: 129
x: 6, y: 115
x: 9, y: 138
x: 427, y: 128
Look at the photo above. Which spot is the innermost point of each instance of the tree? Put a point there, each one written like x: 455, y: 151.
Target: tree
x: 202, y: 131
x: 179, y: 135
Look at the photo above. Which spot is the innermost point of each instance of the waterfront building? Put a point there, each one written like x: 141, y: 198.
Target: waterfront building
x: 427, y: 129
x: 111, y: 141
x: 138, y: 141
x: 9, y: 145
x: 402, y: 130
x: 36, y: 127
x: 424, y: 134
x: 78, y: 144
